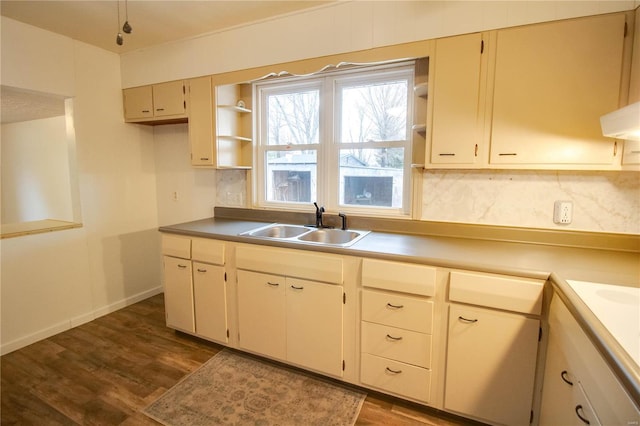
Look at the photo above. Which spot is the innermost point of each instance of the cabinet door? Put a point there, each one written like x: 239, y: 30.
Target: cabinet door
x: 314, y: 325
x: 210, y: 295
x: 138, y: 102
x: 557, y: 388
x: 261, y: 313
x: 178, y: 294
x: 169, y: 99
x: 457, y: 106
x: 553, y: 81
x: 201, y: 122
x: 491, y: 364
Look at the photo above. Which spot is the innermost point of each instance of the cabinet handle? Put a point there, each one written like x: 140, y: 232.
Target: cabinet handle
x: 447, y: 154
x: 467, y: 320
x: 182, y: 266
x: 635, y: 152
x: 395, y: 306
x: 475, y: 151
x: 580, y: 416
x: 394, y: 338
x: 273, y: 284
x: 159, y: 109
x: 297, y: 288
x: 145, y: 110
x: 204, y: 159
x: 202, y: 270
x: 564, y: 376
x: 507, y: 153
x: 393, y: 371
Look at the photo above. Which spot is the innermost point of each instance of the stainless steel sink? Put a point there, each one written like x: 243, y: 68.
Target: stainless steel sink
x: 332, y: 236
x: 305, y: 234
x: 278, y: 231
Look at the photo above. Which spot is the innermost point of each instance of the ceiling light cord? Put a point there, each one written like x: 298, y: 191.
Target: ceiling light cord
x: 126, y: 27
x: 119, y: 38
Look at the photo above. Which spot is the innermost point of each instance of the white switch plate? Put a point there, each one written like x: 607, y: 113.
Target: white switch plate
x: 562, y: 212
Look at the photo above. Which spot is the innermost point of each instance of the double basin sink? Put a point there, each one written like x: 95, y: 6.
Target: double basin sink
x: 307, y: 234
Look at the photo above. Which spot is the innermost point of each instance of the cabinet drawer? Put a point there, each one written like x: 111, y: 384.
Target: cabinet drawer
x: 396, y: 276
x: 292, y: 263
x: 410, y: 313
x: 208, y: 251
x: 176, y: 246
x: 497, y: 291
x: 396, y: 377
x: 397, y: 344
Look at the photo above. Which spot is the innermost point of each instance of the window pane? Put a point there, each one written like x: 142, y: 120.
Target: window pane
x: 374, y: 112
x: 372, y: 177
x: 293, y: 118
x: 291, y: 176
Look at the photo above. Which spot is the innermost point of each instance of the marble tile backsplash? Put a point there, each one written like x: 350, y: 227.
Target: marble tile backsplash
x: 602, y: 201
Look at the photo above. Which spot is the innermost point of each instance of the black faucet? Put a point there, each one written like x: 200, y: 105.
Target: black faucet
x: 344, y: 221
x: 319, y: 211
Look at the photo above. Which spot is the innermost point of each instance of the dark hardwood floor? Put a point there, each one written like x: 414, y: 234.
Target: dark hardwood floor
x: 104, y: 372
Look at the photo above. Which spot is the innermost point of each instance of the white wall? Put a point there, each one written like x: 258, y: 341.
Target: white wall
x: 52, y: 281
x: 341, y: 27
x: 35, y: 171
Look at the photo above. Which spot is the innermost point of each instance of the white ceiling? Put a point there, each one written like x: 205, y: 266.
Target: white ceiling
x: 153, y: 21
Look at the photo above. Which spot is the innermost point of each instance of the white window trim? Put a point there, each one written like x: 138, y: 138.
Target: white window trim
x: 328, y: 155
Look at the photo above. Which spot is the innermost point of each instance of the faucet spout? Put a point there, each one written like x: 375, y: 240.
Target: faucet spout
x: 319, y: 211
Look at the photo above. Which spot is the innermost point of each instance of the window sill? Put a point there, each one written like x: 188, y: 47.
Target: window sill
x: 12, y: 230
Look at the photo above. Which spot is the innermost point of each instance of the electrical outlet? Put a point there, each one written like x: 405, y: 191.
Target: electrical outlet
x: 562, y: 212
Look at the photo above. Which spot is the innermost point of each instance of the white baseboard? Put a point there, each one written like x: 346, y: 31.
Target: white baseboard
x: 21, y: 342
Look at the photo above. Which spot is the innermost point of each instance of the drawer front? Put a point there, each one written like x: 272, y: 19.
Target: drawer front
x: 396, y: 377
x: 292, y: 263
x: 397, y: 344
x: 208, y: 251
x: 497, y: 291
x: 176, y: 246
x: 396, y: 276
x: 410, y: 313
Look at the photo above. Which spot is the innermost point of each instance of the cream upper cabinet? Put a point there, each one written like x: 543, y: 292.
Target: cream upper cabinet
x: 458, y: 96
x: 552, y: 83
x: 202, y: 122
x: 138, y: 103
x: 155, y: 103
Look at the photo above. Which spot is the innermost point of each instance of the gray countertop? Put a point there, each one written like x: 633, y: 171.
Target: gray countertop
x: 541, y: 261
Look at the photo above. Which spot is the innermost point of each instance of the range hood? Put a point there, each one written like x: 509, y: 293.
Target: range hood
x: 623, y: 123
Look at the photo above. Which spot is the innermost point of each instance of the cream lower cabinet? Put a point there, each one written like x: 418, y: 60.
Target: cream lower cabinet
x: 293, y: 319
x: 491, y: 354
x: 195, y: 286
x: 397, y: 316
x: 178, y: 294
x: 579, y: 387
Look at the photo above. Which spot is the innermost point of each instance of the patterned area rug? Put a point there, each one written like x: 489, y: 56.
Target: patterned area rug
x: 236, y: 389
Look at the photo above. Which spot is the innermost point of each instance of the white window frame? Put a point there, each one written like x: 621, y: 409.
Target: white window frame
x: 329, y: 146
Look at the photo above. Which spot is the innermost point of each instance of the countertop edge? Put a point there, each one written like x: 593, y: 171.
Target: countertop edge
x: 623, y: 366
